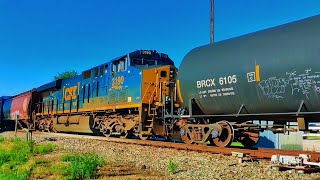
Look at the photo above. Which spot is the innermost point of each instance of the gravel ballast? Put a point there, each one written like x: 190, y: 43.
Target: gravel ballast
x: 191, y: 165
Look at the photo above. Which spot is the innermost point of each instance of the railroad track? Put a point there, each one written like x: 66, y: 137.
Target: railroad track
x: 260, y: 153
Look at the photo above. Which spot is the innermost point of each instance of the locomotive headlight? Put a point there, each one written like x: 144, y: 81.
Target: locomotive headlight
x: 168, y: 98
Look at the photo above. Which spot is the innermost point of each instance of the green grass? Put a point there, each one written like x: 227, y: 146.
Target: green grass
x: 313, y: 137
x: 291, y: 147
x: 20, y: 159
x: 17, y: 157
x: 2, y: 139
x: 82, y: 165
x: 172, y: 166
x: 236, y: 144
x: 15, y: 161
x: 45, y: 148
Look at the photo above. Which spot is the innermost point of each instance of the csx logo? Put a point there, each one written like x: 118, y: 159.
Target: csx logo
x: 70, y: 93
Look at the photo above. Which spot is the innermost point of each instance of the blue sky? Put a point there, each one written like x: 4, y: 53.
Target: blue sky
x: 40, y: 38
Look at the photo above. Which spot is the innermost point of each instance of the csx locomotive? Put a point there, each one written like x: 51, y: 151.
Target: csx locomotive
x: 118, y: 98
x: 221, y: 92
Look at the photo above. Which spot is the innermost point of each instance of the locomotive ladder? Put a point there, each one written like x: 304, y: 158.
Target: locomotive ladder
x: 152, y: 112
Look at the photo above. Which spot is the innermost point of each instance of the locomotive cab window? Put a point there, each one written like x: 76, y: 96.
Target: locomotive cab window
x: 106, y: 68
x: 119, y: 65
x: 87, y: 74
x: 96, y: 72
x: 163, y: 74
x: 143, y: 61
x: 101, y: 70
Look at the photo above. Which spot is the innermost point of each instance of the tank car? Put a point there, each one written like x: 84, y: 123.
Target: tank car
x: 273, y: 74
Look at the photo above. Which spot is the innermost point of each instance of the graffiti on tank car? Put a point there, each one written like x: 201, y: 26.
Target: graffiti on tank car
x: 70, y: 93
x: 304, y: 83
x: 273, y: 87
x: 117, y: 82
x: 317, y: 88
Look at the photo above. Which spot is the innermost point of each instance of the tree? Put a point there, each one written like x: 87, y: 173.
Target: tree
x: 66, y: 75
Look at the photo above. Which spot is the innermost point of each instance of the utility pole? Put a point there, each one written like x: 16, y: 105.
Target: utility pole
x: 212, y: 21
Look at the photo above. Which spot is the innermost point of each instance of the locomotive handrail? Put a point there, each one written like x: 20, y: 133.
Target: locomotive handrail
x: 145, y: 92
x: 150, y: 100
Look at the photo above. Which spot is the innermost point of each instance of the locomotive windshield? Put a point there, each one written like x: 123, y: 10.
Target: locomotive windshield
x: 146, y: 58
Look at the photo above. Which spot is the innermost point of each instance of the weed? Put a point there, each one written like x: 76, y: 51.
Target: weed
x: 15, y: 160
x: 42, y: 161
x: 237, y: 144
x: 44, y: 148
x: 2, y: 139
x: 172, y: 166
x: 313, y: 137
x: 291, y: 147
x: 60, y: 168
x: 82, y: 165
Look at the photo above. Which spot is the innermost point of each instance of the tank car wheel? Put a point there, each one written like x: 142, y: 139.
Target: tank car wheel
x: 249, y: 139
x: 227, y: 135
x: 144, y: 136
x: 186, y: 136
x: 167, y: 138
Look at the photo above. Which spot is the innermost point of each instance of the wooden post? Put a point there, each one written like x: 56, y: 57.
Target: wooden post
x: 16, y: 125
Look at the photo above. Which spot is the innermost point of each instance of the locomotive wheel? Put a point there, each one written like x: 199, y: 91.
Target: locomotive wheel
x: 249, y: 139
x: 227, y: 135
x: 125, y: 134
x: 186, y: 136
x: 107, y: 132
x: 52, y: 129
x: 144, y: 136
x: 41, y: 125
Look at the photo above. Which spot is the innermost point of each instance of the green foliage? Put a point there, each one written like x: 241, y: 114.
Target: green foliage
x: 42, y: 161
x: 236, y: 144
x: 313, y: 137
x: 20, y: 175
x: 60, y: 168
x: 291, y: 147
x: 44, y: 148
x: 17, y: 152
x: 82, y: 165
x: 14, y: 159
x: 172, y: 166
x: 66, y: 75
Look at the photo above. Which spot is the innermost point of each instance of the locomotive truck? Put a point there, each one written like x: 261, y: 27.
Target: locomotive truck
x: 219, y: 95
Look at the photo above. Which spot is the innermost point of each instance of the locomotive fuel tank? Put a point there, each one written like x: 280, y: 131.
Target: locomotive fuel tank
x: 269, y: 71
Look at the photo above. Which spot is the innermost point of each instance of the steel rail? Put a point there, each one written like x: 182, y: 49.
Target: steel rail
x: 259, y: 153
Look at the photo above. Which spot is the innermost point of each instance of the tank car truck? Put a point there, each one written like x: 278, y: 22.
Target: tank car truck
x: 272, y: 75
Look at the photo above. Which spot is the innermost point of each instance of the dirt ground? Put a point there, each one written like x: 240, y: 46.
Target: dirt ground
x: 311, y: 145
